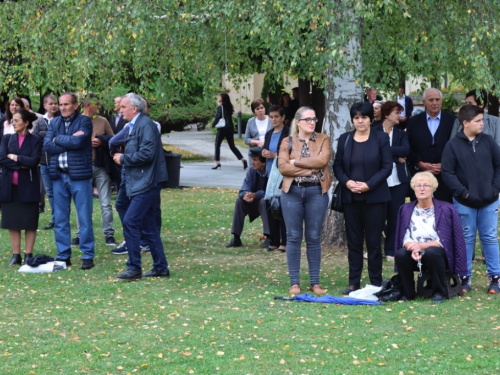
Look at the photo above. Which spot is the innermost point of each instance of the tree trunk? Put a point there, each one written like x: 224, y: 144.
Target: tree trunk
x: 341, y: 93
x: 304, y: 89
x: 318, y: 103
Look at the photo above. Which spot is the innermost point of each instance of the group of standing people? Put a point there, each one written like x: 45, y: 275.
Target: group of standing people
x: 453, y: 186
x: 72, y: 143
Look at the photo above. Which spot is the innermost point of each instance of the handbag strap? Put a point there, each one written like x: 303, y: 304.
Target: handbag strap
x: 290, y: 142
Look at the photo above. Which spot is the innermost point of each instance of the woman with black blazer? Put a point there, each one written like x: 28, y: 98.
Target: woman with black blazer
x: 399, y: 180
x: 20, y: 192
x: 226, y: 110
x: 270, y: 151
x: 362, y: 164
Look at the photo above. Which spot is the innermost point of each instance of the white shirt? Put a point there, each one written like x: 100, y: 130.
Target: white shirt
x: 402, y: 103
x: 393, y: 179
x: 8, y: 127
x: 262, y: 127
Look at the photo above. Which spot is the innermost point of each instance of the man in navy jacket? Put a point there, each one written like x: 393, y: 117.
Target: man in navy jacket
x: 68, y: 141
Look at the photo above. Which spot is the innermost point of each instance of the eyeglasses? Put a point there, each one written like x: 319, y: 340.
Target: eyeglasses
x: 424, y: 186
x: 309, y: 120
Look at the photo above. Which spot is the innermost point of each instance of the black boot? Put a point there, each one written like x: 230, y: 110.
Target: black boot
x: 16, y: 259
x: 27, y: 256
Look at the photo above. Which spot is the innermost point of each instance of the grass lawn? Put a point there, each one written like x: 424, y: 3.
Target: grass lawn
x: 186, y: 156
x: 216, y: 314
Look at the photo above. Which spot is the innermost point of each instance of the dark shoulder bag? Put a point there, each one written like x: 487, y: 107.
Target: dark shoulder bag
x: 337, y: 193
x: 275, y: 201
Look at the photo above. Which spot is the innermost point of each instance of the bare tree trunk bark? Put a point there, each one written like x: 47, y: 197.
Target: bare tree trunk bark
x: 342, y: 91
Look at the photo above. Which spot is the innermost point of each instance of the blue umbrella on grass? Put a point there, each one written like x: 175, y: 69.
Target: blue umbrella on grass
x: 329, y: 299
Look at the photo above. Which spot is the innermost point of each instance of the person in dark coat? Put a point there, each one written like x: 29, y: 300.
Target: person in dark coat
x: 399, y: 179
x: 225, y: 110
x: 362, y: 164
x: 270, y: 152
x: 19, y: 156
x: 428, y: 133
x: 428, y: 230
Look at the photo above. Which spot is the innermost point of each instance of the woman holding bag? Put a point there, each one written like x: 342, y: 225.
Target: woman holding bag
x: 225, y: 111
x: 304, y: 198
x: 270, y: 152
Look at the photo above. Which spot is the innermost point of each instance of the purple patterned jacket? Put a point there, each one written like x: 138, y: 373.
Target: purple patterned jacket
x: 448, y: 227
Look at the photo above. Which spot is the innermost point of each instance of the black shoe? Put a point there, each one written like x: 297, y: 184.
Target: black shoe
x: 27, y: 256
x: 16, y: 259
x: 438, y: 298
x: 87, y: 264
x: 122, y: 249
x: 50, y: 226
x: 154, y: 273
x: 234, y: 243
x: 217, y: 166
x: 110, y: 241
x: 67, y: 261
x: 245, y: 164
x: 349, y: 289
x: 75, y: 241
x: 266, y: 243
x: 130, y: 275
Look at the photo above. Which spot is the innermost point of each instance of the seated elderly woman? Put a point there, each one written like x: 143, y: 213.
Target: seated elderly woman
x: 428, y: 230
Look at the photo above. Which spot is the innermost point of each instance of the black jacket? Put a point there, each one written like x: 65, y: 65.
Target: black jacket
x: 227, y: 116
x: 400, y: 148
x: 28, y: 157
x: 473, y: 168
x: 284, y: 133
x: 377, y: 166
x: 420, y: 138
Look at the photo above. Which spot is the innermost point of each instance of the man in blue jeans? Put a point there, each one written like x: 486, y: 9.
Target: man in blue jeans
x: 470, y: 167
x: 145, y: 170
x: 68, y: 142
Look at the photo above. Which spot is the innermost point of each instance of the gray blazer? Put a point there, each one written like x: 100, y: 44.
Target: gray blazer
x: 252, y: 132
x: 491, y: 126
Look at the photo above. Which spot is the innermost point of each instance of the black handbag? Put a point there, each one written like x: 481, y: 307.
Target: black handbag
x: 275, y: 206
x: 337, y: 199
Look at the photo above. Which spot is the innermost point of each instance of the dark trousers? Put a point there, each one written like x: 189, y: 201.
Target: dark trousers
x: 141, y: 218
x: 253, y: 210
x: 229, y: 135
x: 398, y: 194
x: 434, y: 261
x: 278, y: 231
x: 364, y: 222
x: 41, y: 204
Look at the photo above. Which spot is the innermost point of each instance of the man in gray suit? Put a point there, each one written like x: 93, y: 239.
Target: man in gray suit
x: 491, y: 124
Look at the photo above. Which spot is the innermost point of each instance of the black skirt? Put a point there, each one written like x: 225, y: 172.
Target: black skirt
x: 17, y: 215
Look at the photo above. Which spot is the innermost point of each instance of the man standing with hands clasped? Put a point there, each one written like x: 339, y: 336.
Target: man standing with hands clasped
x: 471, y: 170
x: 145, y: 170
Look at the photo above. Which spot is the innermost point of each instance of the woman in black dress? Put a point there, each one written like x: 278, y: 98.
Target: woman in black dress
x: 226, y: 110
x: 20, y: 192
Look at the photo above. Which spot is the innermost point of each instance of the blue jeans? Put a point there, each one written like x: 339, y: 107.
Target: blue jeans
x: 81, y: 190
x: 304, y: 206
x: 47, y: 183
x: 141, y: 217
x: 483, y: 220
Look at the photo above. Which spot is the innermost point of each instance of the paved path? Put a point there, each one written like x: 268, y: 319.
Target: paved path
x: 230, y: 176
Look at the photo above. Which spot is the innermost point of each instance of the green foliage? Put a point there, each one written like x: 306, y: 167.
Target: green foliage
x: 451, y: 103
x: 244, y: 120
x: 176, y: 118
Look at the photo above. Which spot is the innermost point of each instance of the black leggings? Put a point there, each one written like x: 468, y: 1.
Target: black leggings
x: 229, y: 135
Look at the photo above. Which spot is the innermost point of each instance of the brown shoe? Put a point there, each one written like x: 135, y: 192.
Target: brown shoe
x: 294, y: 289
x: 316, y: 289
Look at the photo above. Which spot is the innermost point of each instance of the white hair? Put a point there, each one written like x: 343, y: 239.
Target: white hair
x: 432, y: 88
x: 26, y: 103
x: 135, y: 101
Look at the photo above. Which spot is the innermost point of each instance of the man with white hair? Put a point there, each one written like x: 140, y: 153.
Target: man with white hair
x: 428, y: 133
x: 28, y: 107
x: 145, y: 170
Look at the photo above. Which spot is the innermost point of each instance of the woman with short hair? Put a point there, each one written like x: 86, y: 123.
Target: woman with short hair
x: 257, y: 127
x: 430, y: 231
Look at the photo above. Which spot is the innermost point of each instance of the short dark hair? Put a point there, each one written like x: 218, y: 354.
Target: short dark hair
x: 276, y: 108
x: 256, y: 102
x: 388, y: 107
x: 258, y: 154
x: 74, y: 99
x: 480, y: 96
x: 468, y: 112
x: 363, y: 109
x: 27, y: 116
